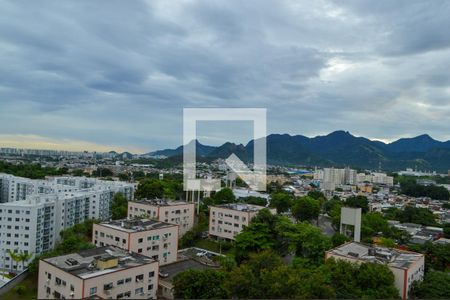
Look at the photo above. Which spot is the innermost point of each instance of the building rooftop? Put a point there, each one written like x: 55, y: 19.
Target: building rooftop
x: 390, y: 256
x: 162, y: 202
x: 241, y: 207
x: 89, y: 263
x: 179, y: 266
x: 136, y: 225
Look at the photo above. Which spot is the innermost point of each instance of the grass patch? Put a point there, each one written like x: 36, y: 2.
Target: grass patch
x: 215, y: 246
x: 31, y: 286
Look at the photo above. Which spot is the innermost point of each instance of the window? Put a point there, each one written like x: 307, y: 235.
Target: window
x: 93, y: 291
x: 150, y: 287
x: 127, y: 294
x: 72, y: 288
x: 117, y: 239
x: 139, y: 277
x: 108, y: 286
x: 140, y: 240
x: 128, y: 280
x: 139, y: 291
x: 120, y: 282
x: 140, y: 250
x: 151, y: 274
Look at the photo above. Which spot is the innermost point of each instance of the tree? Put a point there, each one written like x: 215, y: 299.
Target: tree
x: 338, y: 239
x: 149, y: 189
x: 224, y: 196
x: 20, y: 289
x: 200, y: 284
x: 119, y: 206
x: 436, y: 285
x: 447, y: 230
x: 306, y: 209
x: 356, y: 281
x: 254, y: 238
x: 102, y: 172
x: 316, y: 194
x: 374, y: 223
x: 412, y: 214
x: 281, y: 201
x: 308, y: 242
x: 254, y: 200
x: 14, y: 258
x: 358, y: 201
x: 24, y: 257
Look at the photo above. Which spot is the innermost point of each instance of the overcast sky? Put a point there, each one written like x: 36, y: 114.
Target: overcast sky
x: 117, y: 74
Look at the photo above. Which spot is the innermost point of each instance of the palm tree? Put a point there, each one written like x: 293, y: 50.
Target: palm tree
x: 24, y: 257
x: 14, y: 257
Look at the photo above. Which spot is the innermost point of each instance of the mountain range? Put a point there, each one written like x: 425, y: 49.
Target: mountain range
x: 339, y: 149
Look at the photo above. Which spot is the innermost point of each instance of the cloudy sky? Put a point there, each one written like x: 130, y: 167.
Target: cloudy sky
x: 117, y: 74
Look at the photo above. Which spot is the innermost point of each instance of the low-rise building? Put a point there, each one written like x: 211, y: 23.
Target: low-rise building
x: 227, y: 220
x: 103, y: 273
x: 151, y: 238
x: 174, y: 212
x: 407, y: 267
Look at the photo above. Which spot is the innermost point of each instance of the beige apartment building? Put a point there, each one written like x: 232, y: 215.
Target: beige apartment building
x: 180, y: 213
x: 407, y: 267
x: 151, y: 238
x: 227, y: 220
x: 100, y: 273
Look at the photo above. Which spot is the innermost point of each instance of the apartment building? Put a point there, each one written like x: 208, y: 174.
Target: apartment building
x: 32, y: 225
x: 227, y: 220
x: 100, y: 273
x: 376, y: 178
x: 174, y: 212
x: 407, y: 267
x: 151, y: 238
x: 331, y: 178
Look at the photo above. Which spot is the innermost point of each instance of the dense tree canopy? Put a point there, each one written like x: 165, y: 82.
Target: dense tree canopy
x: 358, y: 201
x: 436, y: 285
x: 28, y: 170
x: 411, y: 188
x: 119, y: 206
x: 224, y: 196
x: 264, y: 275
x: 411, y: 214
x: 306, y: 208
x: 281, y: 201
x: 200, y: 284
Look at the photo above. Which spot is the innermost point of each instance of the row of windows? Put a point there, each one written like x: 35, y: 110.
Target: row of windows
x: 236, y: 217
x: 16, y: 220
x: 10, y: 211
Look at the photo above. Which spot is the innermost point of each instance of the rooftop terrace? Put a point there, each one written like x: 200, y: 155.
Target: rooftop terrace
x: 136, y: 225
x: 390, y: 256
x: 161, y: 202
x: 88, y: 263
x: 241, y: 207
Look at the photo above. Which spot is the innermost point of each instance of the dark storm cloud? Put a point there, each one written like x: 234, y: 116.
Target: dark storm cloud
x: 120, y: 72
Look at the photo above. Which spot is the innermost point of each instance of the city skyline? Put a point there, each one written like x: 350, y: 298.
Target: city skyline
x: 77, y: 76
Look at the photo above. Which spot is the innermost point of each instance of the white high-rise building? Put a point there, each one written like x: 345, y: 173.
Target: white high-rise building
x: 34, y: 212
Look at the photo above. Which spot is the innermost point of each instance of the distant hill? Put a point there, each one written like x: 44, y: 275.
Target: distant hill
x: 339, y: 148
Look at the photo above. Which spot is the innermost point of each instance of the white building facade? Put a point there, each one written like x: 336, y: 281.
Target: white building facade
x: 32, y: 225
